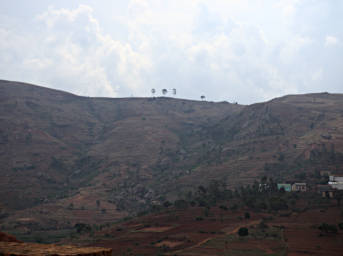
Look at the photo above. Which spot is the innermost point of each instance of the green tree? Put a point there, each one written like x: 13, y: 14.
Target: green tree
x: 181, y: 204
x: 243, y: 231
x: 82, y: 227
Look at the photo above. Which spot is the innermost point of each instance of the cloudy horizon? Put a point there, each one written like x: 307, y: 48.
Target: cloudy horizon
x: 237, y: 51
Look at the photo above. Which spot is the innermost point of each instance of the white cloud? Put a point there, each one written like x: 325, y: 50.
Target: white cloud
x: 330, y: 41
x: 243, y: 51
x: 75, y: 55
x: 288, y: 7
x: 293, y: 47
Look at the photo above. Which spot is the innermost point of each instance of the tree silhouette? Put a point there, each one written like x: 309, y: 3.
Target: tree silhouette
x: 153, y: 91
x: 174, y: 91
x: 202, y: 97
x: 164, y: 91
x: 243, y: 231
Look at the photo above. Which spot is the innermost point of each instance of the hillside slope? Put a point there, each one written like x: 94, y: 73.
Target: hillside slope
x: 67, y: 159
x: 61, y: 153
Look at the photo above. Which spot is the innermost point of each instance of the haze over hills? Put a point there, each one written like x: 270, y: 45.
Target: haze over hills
x: 67, y: 159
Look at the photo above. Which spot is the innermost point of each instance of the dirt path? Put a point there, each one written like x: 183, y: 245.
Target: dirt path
x: 233, y: 231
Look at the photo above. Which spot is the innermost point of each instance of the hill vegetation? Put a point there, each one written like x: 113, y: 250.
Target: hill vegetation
x: 67, y: 159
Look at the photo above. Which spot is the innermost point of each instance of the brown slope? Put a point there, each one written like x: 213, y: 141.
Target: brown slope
x: 288, y: 135
x: 59, y: 149
x: 60, y: 153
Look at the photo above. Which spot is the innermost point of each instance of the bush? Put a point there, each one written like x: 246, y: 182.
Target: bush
x: 262, y: 225
x: 167, y: 204
x: 247, y: 215
x: 243, y: 231
x: 82, y: 227
x: 181, y: 204
x: 340, y: 225
x: 234, y: 207
x: 223, y: 207
x: 327, y: 228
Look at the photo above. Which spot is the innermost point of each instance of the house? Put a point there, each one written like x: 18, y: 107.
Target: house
x: 286, y: 187
x: 336, y: 178
x: 336, y: 182
x: 299, y: 187
x: 326, y: 191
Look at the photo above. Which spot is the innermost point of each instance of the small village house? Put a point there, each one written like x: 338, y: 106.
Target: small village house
x: 336, y: 182
x: 285, y: 186
x: 299, y: 187
x: 326, y: 191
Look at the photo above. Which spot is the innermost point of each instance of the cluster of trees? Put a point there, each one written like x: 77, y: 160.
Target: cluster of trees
x: 165, y: 91
x: 328, y: 228
x: 260, y: 196
x: 253, y: 197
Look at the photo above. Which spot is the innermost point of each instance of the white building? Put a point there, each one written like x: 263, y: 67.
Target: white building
x: 336, y: 182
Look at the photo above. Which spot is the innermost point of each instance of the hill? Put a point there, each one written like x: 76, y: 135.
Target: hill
x: 67, y: 159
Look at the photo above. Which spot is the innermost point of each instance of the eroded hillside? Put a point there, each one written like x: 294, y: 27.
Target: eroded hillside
x: 67, y: 159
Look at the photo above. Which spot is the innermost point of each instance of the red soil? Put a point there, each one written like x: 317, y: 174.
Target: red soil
x: 8, y: 238
x: 180, y: 233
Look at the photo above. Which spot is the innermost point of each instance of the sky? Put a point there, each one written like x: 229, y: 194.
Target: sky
x: 243, y: 51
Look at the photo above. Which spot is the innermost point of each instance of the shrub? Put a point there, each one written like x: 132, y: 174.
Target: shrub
x: 327, y: 228
x: 167, y: 204
x: 207, y: 211
x: 223, y: 207
x: 243, y: 231
x: 82, y: 227
x: 247, y: 215
x: 70, y: 206
x: 262, y: 225
x: 181, y: 204
x: 234, y: 207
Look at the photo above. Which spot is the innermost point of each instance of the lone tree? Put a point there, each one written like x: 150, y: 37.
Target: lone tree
x: 174, y: 91
x: 243, y: 232
x: 153, y: 91
x: 202, y: 97
x: 164, y: 91
x: 82, y: 227
x: 338, y: 196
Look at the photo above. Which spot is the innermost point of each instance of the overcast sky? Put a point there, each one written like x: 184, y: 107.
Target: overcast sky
x: 234, y: 50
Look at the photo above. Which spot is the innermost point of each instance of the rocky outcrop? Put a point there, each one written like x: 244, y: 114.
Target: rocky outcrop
x: 22, y: 249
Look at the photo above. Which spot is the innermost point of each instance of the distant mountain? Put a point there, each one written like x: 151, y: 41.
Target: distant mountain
x: 66, y: 159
